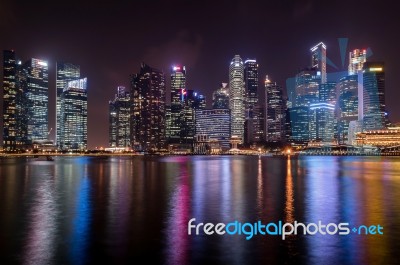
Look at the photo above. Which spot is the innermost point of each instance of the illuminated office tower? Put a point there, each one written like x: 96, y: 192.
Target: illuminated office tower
x: 73, y: 115
x: 275, y: 110
x: 34, y: 85
x: 327, y: 92
x: 318, y: 59
x: 357, y: 58
x: 307, y: 87
x: 178, y: 89
x: 65, y: 72
x: 192, y: 101
x: 10, y: 98
x: 347, y: 88
x: 148, y: 94
x: 236, y: 97
x: 322, y: 124
x: 120, y: 119
x: 221, y: 97
x: 215, y: 124
x: 299, y: 123
x: 251, y: 85
x: 253, y: 131
x: 373, y: 105
x: 167, y: 121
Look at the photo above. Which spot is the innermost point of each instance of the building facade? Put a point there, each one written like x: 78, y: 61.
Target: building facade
x: 221, y: 97
x: 148, y: 92
x: 236, y: 97
x: 178, y: 90
x: 10, y: 97
x: 73, y: 120
x: 120, y: 119
x: 35, y: 86
x: 275, y: 109
x: 347, y: 105
x: 215, y: 124
x: 318, y: 60
x: 373, y: 96
x: 65, y: 72
x: 322, y: 122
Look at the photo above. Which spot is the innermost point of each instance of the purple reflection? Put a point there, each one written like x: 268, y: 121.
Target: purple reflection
x: 177, y: 237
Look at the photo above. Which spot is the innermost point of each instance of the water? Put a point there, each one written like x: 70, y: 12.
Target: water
x: 120, y: 210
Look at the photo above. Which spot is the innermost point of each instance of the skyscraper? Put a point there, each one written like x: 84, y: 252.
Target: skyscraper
x: 192, y: 101
x: 299, y: 123
x: 65, y: 72
x: 148, y: 109
x: 120, y: 119
x: 327, y: 92
x: 34, y: 84
x: 357, y: 58
x: 322, y: 122
x: 274, y: 112
x: 252, y: 112
x: 251, y: 85
x: 73, y: 115
x: 178, y: 90
x: 318, y: 59
x: 236, y: 97
x: 10, y: 91
x: 373, y: 96
x: 221, y: 97
x: 307, y: 87
x: 347, y: 88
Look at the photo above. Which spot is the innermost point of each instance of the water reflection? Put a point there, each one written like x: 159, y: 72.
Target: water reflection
x: 177, y: 222
x: 40, y: 247
x: 79, y: 238
x: 119, y: 210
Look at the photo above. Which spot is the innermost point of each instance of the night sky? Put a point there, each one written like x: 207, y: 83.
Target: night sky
x: 110, y: 40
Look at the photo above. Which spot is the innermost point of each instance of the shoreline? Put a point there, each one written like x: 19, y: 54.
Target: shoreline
x: 29, y: 155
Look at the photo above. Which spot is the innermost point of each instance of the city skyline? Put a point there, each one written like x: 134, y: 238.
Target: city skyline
x: 196, y: 46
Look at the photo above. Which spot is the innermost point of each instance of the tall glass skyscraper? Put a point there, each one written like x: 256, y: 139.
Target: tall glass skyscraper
x: 307, y: 87
x: 251, y: 85
x: 35, y: 86
x: 318, y: 59
x: 178, y: 90
x: 120, y: 119
x: 10, y: 91
x: 73, y: 112
x: 357, y: 58
x: 299, y: 123
x: 65, y: 72
x: 148, y: 93
x: 322, y: 122
x: 192, y: 101
x: 347, y: 88
x: 274, y: 112
x: 327, y: 92
x: 236, y: 97
x: 373, y: 96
